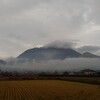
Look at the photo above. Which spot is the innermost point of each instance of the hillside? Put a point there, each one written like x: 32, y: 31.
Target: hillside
x: 89, y: 55
x: 54, y: 53
x: 49, y: 53
x: 2, y: 62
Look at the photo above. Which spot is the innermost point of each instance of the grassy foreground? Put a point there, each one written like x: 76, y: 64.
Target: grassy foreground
x: 48, y: 90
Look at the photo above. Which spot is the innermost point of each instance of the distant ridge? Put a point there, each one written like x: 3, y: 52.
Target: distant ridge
x: 49, y: 53
x: 2, y: 62
x: 54, y: 53
x: 89, y: 55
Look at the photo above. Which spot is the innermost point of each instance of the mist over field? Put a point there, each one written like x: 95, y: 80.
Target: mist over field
x: 69, y: 64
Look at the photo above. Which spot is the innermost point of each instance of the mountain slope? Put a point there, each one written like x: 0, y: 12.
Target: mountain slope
x: 2, y: 62
x: 89, y: 55
x: 54, y: 53
x: 49, y: 53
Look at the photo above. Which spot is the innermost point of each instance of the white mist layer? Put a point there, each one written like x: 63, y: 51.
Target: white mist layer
x: 69, y: 64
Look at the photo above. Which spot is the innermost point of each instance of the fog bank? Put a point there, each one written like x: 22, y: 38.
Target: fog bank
x: 69, y: 64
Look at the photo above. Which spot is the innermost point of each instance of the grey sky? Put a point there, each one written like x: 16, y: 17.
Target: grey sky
x: 27, y: 23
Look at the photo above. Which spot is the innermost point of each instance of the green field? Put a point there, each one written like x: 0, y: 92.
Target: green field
x: 48, y: 90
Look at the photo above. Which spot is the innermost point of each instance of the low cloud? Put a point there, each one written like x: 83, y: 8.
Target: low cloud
x: 61, y: 44
x: 69, y: 64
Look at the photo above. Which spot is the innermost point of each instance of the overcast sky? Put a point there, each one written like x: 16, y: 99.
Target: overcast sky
x: 28, y: 23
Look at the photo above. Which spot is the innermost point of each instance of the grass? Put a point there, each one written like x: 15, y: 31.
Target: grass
x: 90, y: 80
x: 48, y: 90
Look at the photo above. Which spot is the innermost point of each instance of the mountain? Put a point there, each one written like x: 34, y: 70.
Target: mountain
x: 54, y: 53
x: 49, y: 53
x: 89, y: 55
x: 2, y: 62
